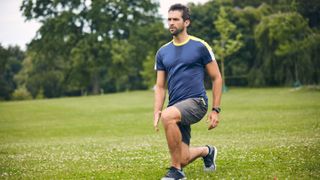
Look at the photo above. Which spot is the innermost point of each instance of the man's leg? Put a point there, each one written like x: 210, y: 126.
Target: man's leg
x: 189, y: 154
x: 170, y: 117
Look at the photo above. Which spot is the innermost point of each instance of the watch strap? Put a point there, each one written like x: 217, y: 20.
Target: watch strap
x: 216, y: 109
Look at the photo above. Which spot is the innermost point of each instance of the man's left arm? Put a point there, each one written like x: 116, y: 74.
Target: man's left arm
x: 214, y: 73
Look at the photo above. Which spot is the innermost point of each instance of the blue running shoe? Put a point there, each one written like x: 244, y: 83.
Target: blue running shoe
x: 174, y: 174
x: 210, y: 159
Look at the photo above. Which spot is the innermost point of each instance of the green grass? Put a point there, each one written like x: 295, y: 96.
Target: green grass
x: 263, y: 134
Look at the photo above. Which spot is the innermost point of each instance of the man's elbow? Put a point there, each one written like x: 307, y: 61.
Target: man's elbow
x: 217, y: 78
x: 159, y: 87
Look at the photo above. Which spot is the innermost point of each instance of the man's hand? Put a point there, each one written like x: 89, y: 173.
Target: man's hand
x: 156, y: 119
x: 213, y: 120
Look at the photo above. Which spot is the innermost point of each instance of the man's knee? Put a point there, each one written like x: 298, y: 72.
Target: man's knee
x: 185, y: 154
x: 185, y: 160
x: 170, y: 115
x: 167, y: 120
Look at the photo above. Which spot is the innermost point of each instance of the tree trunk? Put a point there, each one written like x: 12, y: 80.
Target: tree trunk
x: 224, y: 87
x: 95, y: 84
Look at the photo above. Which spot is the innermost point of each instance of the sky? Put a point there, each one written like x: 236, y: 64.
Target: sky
x: 14, y: 30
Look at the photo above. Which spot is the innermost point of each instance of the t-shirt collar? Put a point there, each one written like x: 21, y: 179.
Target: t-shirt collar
x: 183, y: 43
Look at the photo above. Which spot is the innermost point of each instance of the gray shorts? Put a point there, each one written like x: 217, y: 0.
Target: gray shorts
x: 192, y: 111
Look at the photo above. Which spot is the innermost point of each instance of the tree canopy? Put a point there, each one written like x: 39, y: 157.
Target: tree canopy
x: 90, y: 47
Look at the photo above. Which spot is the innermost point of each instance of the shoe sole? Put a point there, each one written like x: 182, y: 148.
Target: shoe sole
x: 215, y: 157
x: 165, y: 178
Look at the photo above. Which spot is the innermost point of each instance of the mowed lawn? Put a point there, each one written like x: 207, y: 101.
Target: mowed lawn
x: 263, y: 134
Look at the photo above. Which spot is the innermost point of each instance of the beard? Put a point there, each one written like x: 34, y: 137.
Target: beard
x: 177, y: 31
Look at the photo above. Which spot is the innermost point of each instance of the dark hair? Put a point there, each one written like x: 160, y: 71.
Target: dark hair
x: 184, y: 9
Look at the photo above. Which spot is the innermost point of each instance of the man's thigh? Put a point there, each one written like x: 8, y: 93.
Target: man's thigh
x: 191, y: 110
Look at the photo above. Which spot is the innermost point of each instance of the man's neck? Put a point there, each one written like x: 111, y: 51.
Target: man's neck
x: 182, y: 37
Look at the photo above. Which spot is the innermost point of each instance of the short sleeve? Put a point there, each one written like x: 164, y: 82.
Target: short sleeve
x: 207, y: 54
x: 158, y: 65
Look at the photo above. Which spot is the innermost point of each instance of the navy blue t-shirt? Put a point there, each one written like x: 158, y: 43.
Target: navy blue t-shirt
x: 184, y: 65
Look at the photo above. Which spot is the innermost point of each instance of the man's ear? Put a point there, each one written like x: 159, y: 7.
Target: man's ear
x: 187, y: 22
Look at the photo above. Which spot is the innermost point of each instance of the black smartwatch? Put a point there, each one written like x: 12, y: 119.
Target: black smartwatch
x: 216, y: 109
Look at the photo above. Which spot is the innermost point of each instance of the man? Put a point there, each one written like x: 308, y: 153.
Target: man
x: 182, y: 63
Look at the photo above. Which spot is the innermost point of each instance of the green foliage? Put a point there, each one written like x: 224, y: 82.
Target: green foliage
x: 122, y: 67
x: 275, y: 134
x: 40, y: 94
x: 149, y: 74
x: 21, y: 94
x: 90, y: 46
x: 282, y: 42
x: 229, y: 41
x: 239, y: 64
x: 202, y: 18
x: 309, y: 10
x: 10, y: 64
x: 159, y: 37
x: 244, y: 67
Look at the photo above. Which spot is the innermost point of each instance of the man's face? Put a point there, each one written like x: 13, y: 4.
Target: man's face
x: 176, y: 23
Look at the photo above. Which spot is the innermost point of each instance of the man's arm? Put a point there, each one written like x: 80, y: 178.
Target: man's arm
x: 159, y: 97
x: 214, y: 73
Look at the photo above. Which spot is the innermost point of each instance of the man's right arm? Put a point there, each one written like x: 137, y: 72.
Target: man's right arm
x: 159, y: 97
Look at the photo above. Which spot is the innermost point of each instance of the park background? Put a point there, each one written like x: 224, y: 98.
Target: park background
x: 85, y: 47
x: 87, y: 77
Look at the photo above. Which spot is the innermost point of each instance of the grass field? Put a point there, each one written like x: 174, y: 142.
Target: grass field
x: 263, y: 134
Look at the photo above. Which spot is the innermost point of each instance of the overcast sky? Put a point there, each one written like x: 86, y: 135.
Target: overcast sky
x: 15, y: 31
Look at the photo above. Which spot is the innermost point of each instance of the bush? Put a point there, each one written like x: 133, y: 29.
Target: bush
x: 21, y: 94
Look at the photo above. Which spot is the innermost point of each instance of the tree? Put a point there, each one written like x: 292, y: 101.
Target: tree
x: 202, y: 16
x: 146, y: 40
x: 229, y: 41
x: 10, y: 64
x: 246, y: 16
x: 82, y: 43
x: 159, y: 37
x: 240, y: 63
x: 310, y: 10
x: 282, y: 41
